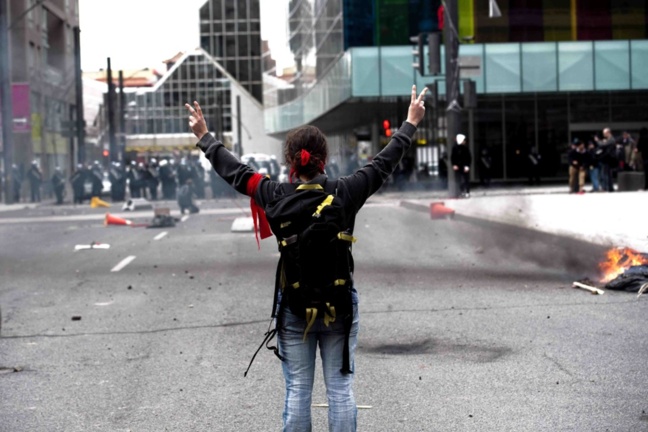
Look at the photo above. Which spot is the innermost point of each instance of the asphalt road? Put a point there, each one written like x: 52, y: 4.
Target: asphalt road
x: 464, y: 327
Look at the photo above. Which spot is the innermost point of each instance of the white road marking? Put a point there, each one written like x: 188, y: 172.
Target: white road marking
x: 184, y: 218
x: 123, y: 263
x: 104, y: 303
x: 161, y: 235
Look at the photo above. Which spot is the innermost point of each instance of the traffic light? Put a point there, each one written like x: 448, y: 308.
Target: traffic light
x: 386, y: 124
x: 434, y: 53
x: 470, y: 94
x: 418, y: 53
x: 106, y: 153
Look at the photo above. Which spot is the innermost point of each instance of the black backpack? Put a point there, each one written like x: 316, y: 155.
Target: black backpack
x: 315, y: 267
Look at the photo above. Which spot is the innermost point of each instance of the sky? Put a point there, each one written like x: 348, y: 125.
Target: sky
x: 142, y: 33
x: 136, y: 33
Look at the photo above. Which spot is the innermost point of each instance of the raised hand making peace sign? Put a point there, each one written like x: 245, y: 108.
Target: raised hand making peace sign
x: 416, y: 110
x: 197, y: 121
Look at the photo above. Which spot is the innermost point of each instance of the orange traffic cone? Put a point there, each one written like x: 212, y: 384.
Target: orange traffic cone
x: 115, y: 220
x: 438, y: 210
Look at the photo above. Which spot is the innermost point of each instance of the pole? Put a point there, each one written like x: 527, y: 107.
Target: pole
x: 5, y: 97
x: 238, y: 126
x: 111, y: 114
x: 122, y: 118
x: 80, y: 120
x: 453, y: 110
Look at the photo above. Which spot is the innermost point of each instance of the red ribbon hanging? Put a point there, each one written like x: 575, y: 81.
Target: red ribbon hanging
x: 305, y: 157
x: 261, y: 224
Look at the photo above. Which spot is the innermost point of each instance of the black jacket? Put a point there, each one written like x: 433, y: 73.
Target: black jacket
x: 460, y: 155
x: 353, y: 190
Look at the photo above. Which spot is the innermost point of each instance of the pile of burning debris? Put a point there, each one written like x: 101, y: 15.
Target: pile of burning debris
x: 624, y: 269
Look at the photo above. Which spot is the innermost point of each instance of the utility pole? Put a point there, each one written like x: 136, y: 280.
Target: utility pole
x: 111, y: 114
x: 453, y: 109
x: 5, y: 97
x: 80, y: 120
x: 122, y: 118
x: 238, y: 126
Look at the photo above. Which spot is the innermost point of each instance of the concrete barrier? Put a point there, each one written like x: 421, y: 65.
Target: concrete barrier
x: 630, y: 181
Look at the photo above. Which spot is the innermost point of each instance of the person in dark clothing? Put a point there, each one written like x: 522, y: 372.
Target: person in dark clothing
x: 185, y: 172
x: 96, y: 178
x: 533, y: 166
x: 168, y: 180
x: 609, y: 160
x: 443, y: 170
x: 117, y: 178
x: 485, y: 167
x: 185, y: 198
x: 306, y: 152
x: 578, y: 162
x: 16, y: 183
x: 594, y: 165
x: 35, y: 177
x: 77, y: 180
x: 642, y: 150
x: 198, y: 178
x: 461, y: 159
x: 152, y: 178
x: 58, y: 184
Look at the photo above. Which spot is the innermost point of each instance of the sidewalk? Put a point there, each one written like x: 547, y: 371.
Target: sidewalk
x: 609, y: 219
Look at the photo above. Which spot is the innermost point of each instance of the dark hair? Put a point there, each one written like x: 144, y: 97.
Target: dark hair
x: 312, y: 140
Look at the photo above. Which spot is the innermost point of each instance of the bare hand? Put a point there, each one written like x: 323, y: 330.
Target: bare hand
x: 416, y: 110
x: 197, y: 121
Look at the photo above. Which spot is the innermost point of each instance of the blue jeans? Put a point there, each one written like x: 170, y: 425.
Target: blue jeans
x: 299, y: 371
x: 594, y: 177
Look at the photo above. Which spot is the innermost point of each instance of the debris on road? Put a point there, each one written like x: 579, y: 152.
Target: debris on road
x: 593, y: 290
x: 8, y: 370
x: 76, y: 318
x: 137, y: 204
x: 93, y: 245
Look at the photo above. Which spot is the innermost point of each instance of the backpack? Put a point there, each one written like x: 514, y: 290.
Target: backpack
x: 315, y: 266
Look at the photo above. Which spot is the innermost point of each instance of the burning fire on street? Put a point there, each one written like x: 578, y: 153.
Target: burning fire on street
x: 619, y: 260
x: 622, y: 269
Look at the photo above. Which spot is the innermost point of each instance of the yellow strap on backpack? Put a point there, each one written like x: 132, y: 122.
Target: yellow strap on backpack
x: 314, y: 186
x: 311, y: 316
x: 327, y: 201
x: 330, y: 315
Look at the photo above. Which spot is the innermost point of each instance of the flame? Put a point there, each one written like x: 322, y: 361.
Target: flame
x: 618, y: 260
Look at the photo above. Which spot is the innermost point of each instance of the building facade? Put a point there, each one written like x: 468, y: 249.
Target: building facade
x: 230, y: 32
x: 545, y: 72
x: 43, y: 77
x: 154, y: 118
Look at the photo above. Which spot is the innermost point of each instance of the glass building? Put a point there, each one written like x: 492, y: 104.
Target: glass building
x: 545, y: 72
x: 230, y: 31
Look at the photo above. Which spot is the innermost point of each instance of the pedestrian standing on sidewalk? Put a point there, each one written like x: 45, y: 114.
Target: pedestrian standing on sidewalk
x: 306, y: 152
x: 578, y: 161
x: 461, y: 159
x: 77, y: 180
x: 35, y: 177
x: 58, y: 184
x: 642, y: 150
x: 594, y: 165
x: 609, y: 161
x: 16, y: 182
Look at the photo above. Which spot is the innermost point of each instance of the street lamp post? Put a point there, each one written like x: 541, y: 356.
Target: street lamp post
x: 453, y: 109
x: 5, y: 97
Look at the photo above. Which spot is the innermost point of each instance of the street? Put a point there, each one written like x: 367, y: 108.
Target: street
x: 464, y: 327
